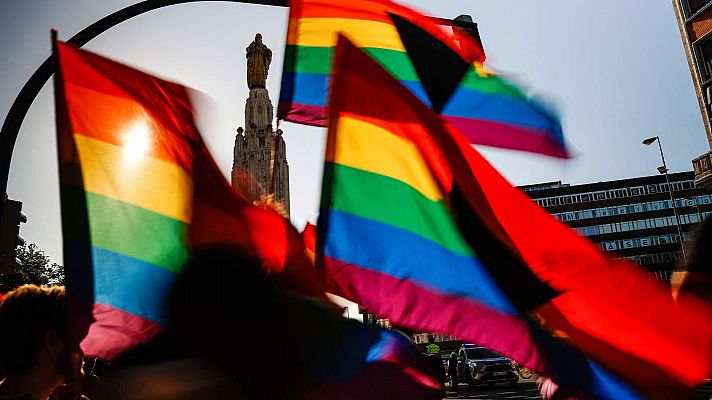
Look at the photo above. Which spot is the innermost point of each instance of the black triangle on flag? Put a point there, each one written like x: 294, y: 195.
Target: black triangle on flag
x: 439, y: 68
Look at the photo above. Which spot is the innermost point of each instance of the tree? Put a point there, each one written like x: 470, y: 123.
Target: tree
x: 36, y: 268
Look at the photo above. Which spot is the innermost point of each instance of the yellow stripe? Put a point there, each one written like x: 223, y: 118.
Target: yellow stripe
x: 368, y: 147
x: 142, y: 180
x: 323, y: 32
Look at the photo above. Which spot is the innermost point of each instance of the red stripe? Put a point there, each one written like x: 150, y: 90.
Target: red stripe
x: 497, y: 134
x: 410, y: 305
x: 223, y: 216
x: 115, y: 331
x: 167, y: 103
x: 355, y: 9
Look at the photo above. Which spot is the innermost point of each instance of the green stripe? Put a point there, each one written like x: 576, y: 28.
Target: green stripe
x: 318, y: 60
x: 393, y: 202
x: 133, y: 231
x: 490, y: 84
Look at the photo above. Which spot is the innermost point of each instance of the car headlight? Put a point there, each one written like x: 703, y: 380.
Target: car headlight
x: 514, y: 364
x: 474, y: 365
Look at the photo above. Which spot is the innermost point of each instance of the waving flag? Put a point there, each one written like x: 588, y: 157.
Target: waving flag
x: 139, y: 190
x: 416, y: 226
x: 439, y: 64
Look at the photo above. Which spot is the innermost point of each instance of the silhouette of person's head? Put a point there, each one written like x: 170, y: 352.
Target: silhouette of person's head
x: 36, y: 355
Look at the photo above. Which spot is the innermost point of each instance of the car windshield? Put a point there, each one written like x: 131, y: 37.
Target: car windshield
x: 481, y: 352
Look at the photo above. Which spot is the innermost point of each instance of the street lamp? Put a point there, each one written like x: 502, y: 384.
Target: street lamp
x: 664, y: 170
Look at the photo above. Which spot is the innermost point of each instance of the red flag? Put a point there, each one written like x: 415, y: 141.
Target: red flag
x: 309, y: 238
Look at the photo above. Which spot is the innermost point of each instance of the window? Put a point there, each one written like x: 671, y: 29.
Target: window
x: 694, y: 6
x: 704, y: 57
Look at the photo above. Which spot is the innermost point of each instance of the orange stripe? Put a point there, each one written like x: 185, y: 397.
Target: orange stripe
x: 113, y: 119
x: 370, y: 10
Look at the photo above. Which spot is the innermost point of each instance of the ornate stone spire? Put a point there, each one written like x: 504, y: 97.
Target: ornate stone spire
x: 260, y: 165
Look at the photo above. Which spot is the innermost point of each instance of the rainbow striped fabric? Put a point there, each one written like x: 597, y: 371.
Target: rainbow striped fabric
x: 417, y: 227
x: 484, y: 107
x: 139, y: 192
x: 126, y: 182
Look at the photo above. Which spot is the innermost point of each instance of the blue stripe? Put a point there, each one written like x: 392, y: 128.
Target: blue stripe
x: 312, y: 89
x: 380, y: 349
x: 308, y: 89
x: 607, y: 386
x: 135, y: 286
x: 405, y: 255
x: 468, y: 103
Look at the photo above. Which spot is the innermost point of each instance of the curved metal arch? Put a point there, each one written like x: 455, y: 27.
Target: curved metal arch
x: 23, y: 101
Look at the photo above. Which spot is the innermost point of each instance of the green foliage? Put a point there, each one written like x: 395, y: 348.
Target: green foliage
x: 36, y: 268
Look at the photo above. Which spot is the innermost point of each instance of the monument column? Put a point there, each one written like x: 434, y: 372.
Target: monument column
x: 260, y: 167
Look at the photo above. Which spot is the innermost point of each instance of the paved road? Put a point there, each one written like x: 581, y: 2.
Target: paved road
x: 524, y: 390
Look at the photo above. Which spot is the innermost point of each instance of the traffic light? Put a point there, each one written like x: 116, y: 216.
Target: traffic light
x: 10, y: 238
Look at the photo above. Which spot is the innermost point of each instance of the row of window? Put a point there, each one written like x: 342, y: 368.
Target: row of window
x: 645, y: 241
x: 648, y: 223
x: 657, y: 258
x: 631, y: 209
x: 613, y: 194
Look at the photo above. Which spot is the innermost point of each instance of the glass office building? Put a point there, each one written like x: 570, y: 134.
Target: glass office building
x: 632, y: 217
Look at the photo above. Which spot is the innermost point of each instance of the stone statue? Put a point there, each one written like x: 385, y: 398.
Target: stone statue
x: 258, y: 59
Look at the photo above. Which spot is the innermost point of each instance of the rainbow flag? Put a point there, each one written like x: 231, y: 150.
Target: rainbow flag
x: 139, y: 192
x: 416, y: 226
x: 440, y: 64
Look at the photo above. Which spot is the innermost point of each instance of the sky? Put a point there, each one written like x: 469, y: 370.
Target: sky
x: 615, y: 71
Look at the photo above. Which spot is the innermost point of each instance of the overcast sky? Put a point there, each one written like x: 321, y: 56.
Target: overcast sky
x: 614, y: 69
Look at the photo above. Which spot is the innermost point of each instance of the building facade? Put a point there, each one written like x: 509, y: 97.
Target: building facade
x: 260, y: 167
x: 694, y: 17
x: 634, y: 218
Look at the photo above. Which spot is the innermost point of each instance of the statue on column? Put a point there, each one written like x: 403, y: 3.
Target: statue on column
x: 258, y: 59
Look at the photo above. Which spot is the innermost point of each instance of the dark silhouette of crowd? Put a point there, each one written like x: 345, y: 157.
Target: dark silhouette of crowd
x: 233, y: 333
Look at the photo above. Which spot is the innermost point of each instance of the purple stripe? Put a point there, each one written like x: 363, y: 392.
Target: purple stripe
x: 495, y: 134
x: 409, y: 305
x: 486, y: 133
x: 303, y: 114
x: 115, y: 331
